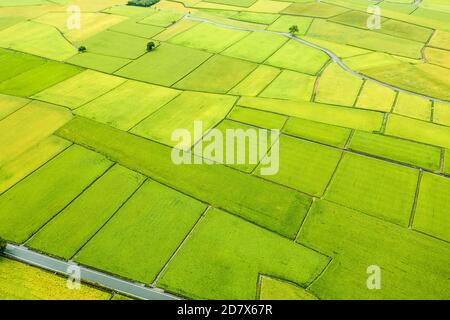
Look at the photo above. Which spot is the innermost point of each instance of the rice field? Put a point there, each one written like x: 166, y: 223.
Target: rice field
x: 89, y: 126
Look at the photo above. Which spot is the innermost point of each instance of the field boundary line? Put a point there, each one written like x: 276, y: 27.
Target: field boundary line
x: 416, y: 199
x: 90, y: 276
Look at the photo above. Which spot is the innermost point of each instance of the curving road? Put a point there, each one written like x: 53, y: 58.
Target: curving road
x: 333, y: 56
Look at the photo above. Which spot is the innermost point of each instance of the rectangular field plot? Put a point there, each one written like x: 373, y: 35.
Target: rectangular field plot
x: 340, y: 116
x: 258, y: 118
x: 223, y: 248
x: 413, y: 106
x: 28, y: 126
x: 31, y: 203
x: 256, y: 81
x: 409, y: 152
x: 417, y: 130
x: 290, y: 85
x: 162, y: 18
x: 133, y: 28
x: 98, y: 62
x: 80, y: 89
x: 10, y: 104
x: 208, y: 37
x: 441, y: 114
x: 128, y: 104
x: 116, y: 44
x: 165, y: 65
x: 375, y: 97
x: 181, y: 113
x: 356, y: 241
x: 375, y: 187
x: 337, y: 86
x: 314, y: 9
x: 152, y: 224
x: 64, y: 235
x: 316, y: 131
x: 15, y: 170
x: 305, y: 166
x: 431, y: 216
x: 15, y: 63
x: 218, y: 75
x: 266, y: 43
x: 274, y: 289
x: 284, y: 22
x: 273, y: 206
x: 298, y: 57
x: 37, y: 79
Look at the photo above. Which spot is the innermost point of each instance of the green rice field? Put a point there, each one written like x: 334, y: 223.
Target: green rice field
x: 92, y: 118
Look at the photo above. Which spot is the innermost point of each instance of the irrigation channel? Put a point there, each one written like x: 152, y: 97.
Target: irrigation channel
x: 333, y: 56
x: 129, y: 288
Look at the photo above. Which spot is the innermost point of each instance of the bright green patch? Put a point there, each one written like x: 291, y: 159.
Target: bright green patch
x: 163, y: 18
x: 259, y: 79
x: 273, y: 289
x: 314, y: 9
x: 413, y: 106
x: 10, y: 104
x: 290, y: 85
x: 258, y: 118
x: 283, y: 23
x: 441, y: 114
x: 98, y: 62
x: 374, y: 96
x: 15, y: 63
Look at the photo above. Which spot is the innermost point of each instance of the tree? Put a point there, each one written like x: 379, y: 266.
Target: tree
x: 82, y: 49
x: 150, y: 46
x: 2, y: 245
x: 293, y: 29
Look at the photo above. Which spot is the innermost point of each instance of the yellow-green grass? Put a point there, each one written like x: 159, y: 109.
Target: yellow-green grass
x: 438, y: 56
x: 356, y: 241
x: 409, y: 152
x: 91, y: 23
x: 266, y: 43
x: 375, y: 187
x: 14, y: 63
x: 256, y: 17
x: 15, y: 170
x: 98, y: 62
x: 337, y: 86
x: 165, y: 65
x: 316, y: 131
x: 245, y: 153
x: 274, y: 289
x: 413, y: 106
x: 440, y: 39
x: 305, y: 166
x: 38, y: 79
x: 418, y: 130
x: 152, y: 224
x: 175, y: 29
x: 31, y: 203
x: 132, y: 27
x: 128, y: 104
x: 208, y: 37
x: 290, y: 85
x: 116, y: 44
x: 374, y: 96
x: 441, y: 114
x: 163, y: 18
x: 365, y: 39
x: 28, y: 126
x: 258, y: 118
x: 272, y: 206
x: 439, y: 19
x: 129, y: 11
x: 341, y: 50
x: 298, y: 57
x: 254, y: 83
x: 284, y: 22
x: 65, y: 234
x: 447, y: 161
x: 42, y: 40
x: 10, y: 104
x: 314, y: 9
x: 181, y: 113
x: 240, y: 3
x: 356, y: 19
x: 427, y: 79
x: 6, y: 22
x: 80, y: 89
x: 431, y: 216
x: 340, y: 116
x: 217, y: 75
x: 23, y: 282
x: 224, y: 248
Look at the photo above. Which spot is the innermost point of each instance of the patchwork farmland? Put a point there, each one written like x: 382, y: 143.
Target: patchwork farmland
x: 91, y: 92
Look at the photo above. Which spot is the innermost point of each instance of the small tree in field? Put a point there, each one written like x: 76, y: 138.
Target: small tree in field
x: 2, y: 245
x: 82, y: 49
x: 293, y: 30
x: 150, y: 46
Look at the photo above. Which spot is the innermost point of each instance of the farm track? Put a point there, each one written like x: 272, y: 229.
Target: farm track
x: 333, y: 56
x: 91, y: 276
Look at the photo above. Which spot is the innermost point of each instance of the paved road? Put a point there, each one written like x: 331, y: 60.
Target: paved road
x: 104, y: 280
x: 333, y: 56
